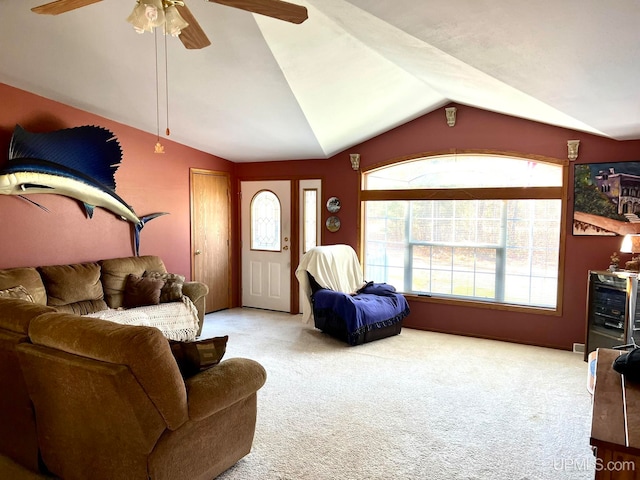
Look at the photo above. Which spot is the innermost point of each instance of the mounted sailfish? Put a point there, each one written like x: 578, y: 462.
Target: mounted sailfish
x: 79, y: 163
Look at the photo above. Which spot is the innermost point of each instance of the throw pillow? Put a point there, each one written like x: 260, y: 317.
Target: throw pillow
x: 194, y: 357
x: 84, y: 307
x: 18, y: 292
x: 172, y: 289
x: 141, y: 291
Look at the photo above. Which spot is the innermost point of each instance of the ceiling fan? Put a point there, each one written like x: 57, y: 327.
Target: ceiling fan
x: 192, y: 36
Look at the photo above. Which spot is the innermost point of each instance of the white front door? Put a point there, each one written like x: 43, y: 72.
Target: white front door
x: 266, y: 239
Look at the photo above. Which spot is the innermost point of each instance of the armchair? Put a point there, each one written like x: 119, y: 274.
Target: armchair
x: 111, y: 403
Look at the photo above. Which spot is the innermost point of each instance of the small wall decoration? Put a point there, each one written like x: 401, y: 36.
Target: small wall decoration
x: 333, y: 205
x: 333, y: 223
x: 606, y: 199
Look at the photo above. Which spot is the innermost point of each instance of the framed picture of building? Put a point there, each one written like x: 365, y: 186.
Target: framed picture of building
x: 606, y: 199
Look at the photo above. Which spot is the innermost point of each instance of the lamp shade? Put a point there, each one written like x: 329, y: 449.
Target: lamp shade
x: 174, y: 23
x: 146, y: 15
x: 630, y: 244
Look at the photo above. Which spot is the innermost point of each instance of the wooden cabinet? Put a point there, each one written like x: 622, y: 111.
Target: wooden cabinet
x: 615, y: 424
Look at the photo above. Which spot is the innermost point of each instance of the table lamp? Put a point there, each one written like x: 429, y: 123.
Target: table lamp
x: 631, y: 244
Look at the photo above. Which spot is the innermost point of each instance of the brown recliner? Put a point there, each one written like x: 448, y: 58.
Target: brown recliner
x: 111, y: 404
x: 18, y: 437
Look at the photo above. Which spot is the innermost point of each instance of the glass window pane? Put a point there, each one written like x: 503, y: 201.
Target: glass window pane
x: 463, y: 284
x: 310, y: 218
x: 465, y: 170
x: 517, y: 289
x: 486, y: 260
x: 452, y: 250
x: 265, y: 221
x: 485, y: 286
x: 464, y: 259
x: 421, y: 280
x: 441, y: 281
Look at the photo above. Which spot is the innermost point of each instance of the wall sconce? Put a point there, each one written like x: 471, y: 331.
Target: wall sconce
x: 451, y: 115
x: 572, y: 146
x: 355, y: 160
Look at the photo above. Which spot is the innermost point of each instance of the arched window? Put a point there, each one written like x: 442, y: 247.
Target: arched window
x: 467, y: 227
x: 265, y: 221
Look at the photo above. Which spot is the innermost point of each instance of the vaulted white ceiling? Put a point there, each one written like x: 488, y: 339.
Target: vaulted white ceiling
x: 269, y: 90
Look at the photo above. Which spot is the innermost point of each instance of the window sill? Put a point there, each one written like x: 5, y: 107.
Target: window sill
x: 480, y: 304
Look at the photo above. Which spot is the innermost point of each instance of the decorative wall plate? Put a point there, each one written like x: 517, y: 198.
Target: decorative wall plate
x: 333, y: 204
x: 333, y: 223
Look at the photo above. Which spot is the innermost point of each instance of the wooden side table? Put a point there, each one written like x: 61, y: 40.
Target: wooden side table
x: 615, y: 424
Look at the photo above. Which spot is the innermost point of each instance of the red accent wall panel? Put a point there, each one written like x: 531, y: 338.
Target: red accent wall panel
x: 147, y: 181
x: 476, y: 129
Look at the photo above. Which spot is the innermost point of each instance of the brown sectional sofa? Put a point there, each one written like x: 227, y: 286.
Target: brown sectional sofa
x: 87, y: 398
x: 93, y: 286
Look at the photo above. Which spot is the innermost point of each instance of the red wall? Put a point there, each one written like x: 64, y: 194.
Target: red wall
x: 151, y: 183
x: 147, y: 181
x: 476, y: 129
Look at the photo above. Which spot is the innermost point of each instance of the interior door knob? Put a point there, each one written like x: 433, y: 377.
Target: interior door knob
x: 198, y: 252
x: 286, y: 247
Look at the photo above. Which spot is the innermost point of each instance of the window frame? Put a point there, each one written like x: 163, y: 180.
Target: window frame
x: 479, y: 193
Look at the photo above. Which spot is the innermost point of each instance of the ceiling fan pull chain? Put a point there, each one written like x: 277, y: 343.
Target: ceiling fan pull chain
x: 166, y: 83
x: 159, y: 148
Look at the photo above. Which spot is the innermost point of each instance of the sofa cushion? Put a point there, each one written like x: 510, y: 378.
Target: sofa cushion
x: 18, y: 292
x: 172, y: 289
x: 29, y: 278
x: 67, y: 284
x: 115, y: 271
x: 141, y: 291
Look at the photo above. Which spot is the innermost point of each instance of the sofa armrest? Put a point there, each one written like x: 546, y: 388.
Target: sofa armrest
x: 223, y: 385
x: 197, y: 292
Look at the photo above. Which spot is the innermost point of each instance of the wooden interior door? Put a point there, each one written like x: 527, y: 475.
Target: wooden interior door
x: 210, y: 232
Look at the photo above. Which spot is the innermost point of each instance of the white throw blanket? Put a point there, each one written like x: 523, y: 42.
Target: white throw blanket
x: 333, y: 266
x: 176, y: 320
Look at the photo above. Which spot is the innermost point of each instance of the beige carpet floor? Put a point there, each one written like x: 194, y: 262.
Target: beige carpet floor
x: 420, y: 405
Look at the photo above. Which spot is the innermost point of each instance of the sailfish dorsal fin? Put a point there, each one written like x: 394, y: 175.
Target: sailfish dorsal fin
x: 94, y: 151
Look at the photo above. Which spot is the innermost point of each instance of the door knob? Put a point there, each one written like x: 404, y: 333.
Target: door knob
x: 198, y: 252
x: 286, y: 247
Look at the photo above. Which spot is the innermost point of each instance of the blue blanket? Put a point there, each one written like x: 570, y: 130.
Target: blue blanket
x: 376, y: 306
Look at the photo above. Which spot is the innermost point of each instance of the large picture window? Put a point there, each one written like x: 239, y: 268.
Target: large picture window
x: 473, y: 227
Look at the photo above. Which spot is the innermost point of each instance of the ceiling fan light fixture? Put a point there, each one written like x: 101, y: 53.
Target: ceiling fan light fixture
x: 174, y: 23
x: 138, y: 19
x: 146, y: 15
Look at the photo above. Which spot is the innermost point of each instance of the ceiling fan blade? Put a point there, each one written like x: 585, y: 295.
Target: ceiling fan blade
x: 192, y: 37
x: 288, y: 12
x: 62, y: 6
